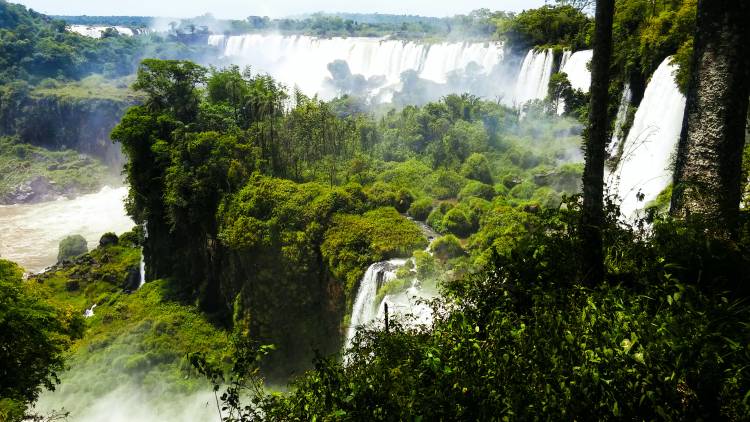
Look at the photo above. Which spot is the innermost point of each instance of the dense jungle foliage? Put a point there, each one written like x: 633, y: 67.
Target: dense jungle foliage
x: 262, y: 198
x: 260, y: 208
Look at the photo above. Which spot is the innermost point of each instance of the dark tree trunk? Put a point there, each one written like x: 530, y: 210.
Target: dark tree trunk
x: 592, y: 216
x: 707, y: 179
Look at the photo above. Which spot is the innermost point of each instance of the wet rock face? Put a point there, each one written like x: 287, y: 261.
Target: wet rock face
x: 39, y: 189
x: 132, y: 280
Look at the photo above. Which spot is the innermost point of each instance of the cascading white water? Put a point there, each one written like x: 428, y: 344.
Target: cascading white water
x: 364, y: 310
x: 577, y: 69
x: 652, y: 141
x: 96, y: 31
x: 142, y: 272
x: 402, y: 304
x: 32, y: 232
x: 622, y: 115
x: 575, y: 65
x: 89, y: 312
x: 302, y: 61
x: 565, y: 57
x: 533, y: 80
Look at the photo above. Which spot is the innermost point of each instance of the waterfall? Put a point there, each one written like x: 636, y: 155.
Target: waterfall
x: 575, y: 65
x: 622, y: 115
x: 302, y: 61
x: 533, y: 80
x: 89, y: 312
x: 565, y: 57
x: 364, y: 310
x: 96, y: 31
x: 648, y: 149
x: 577, y: 69
x: 142, y: 271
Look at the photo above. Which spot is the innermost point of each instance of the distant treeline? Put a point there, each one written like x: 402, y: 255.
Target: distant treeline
x: 128, y: 21
x: 482, y: 24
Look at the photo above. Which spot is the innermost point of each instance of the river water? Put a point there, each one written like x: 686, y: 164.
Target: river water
x: 30, y: 233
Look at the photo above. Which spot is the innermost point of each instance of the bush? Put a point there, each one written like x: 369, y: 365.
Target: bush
x: 523, y: 191
x: 71, y: 247
x: 457, y: 222
x: 477, y: 189
x: 108, y: 239
x: 420, y: 209
x: 404, y: 199
x: 477, y: 167
x: 524, y: 340
x: 446, y: 184
x: 447, y: 247
x: 435, y: 219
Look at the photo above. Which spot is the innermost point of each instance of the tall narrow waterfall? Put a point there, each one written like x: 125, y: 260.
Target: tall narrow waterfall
x: 302, y: 60
x: 142, y: 271
x: 533, y: 79
x: 622, y: 115
x: 652, y: 141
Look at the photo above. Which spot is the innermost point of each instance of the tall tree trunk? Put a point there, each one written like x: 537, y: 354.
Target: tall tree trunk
x: 707, y: 179
x: 592, y: 217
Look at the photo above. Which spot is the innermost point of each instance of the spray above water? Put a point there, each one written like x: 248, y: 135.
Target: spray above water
x: 302, y: 61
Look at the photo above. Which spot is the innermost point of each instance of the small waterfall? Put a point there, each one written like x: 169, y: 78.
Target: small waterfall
x: 142, y: 271
x: 622, y: 115
x: 400, y: 304
x: 89, y: 312
x: 364, y: 309
x: 652, y: 141
x: 533, y: 80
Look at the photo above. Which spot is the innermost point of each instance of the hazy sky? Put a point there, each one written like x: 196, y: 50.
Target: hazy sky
x: 240, y: 9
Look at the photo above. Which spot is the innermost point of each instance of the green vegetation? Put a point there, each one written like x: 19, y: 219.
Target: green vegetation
x: 264, y: 207
x: 662, y: 340
x: 296, y: 202
x: 135, y: 338
x: 29, y: 173
x: 71, y: 247
x: 34, y: 335
x: 561, y: 25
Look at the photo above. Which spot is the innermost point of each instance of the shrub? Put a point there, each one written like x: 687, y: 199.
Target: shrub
x: 477, y: 189
x: 447, y: 247
x: 446, y: 184
x: 71, y: 247
x: 477, y: 168
x: 108, y: 239
x: 457, y: 222
x: 403, y: 199
x: 420, y: 209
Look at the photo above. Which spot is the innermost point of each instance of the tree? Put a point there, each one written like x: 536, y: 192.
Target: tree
x: 71, y: 247
x: 171, y: 86
x: 708, y: 171
x: 592, y: 216
x: 34, y: 336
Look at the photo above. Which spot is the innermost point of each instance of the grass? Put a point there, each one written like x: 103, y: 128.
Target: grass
x: 92, y: 87
x: 139, y: 339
